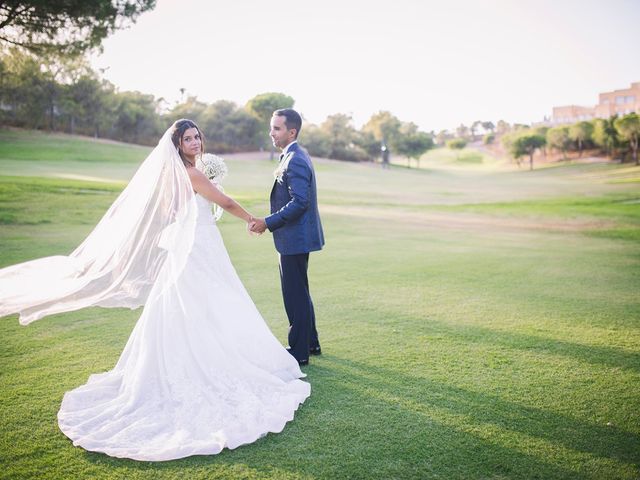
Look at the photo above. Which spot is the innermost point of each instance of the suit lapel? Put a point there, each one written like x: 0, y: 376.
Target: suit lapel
x: 282, y: 166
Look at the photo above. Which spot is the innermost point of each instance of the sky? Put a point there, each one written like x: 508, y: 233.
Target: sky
x: 435, y: 63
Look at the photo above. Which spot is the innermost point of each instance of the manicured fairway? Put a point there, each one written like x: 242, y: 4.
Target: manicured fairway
x: 476, y: 323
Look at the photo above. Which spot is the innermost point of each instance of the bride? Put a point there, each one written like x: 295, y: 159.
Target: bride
x: 201, y: 370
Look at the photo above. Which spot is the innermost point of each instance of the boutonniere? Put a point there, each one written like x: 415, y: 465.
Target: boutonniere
x: 282, y: 166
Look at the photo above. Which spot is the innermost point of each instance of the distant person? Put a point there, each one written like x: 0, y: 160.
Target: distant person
x: 297, y: 230
x: 201, y: 371
x: 385, y: 155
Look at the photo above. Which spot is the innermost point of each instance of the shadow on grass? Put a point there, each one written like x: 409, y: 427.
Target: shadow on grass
x: 593, y: 354
x: 606, y: 442
x: 368, y: 421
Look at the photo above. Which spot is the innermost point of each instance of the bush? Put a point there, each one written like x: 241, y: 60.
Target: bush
x: 456, y: 144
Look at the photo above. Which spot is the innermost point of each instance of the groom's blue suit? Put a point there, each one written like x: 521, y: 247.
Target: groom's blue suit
x: 297, y: 230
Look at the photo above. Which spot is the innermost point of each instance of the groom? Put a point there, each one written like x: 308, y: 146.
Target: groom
x: 295, y: 224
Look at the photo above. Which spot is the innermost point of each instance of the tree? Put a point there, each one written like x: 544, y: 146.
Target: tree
x: 413, y: 143
x: 54, y: 92
x: 488, y: 139
x: 367, y: 143
x: 462, y: 131
x: 507, y: 140
x: 23, y: 90
x: 488, y: 126
x: 230, y: 128
x: 100, y: 106
x: 339, y: 132
x: 580, y: 133
x: 79, y: 98
x: 316, y: 141
x: 542, y: 131
x: 605, y: 134
x: 69, y: 27
x: 474, y: 127
x: 442, y: 137
x: 629, y: 128
x: 192, y: 109
x: 340, y: 135
x: 558, y: 138
x: 526, y: 143
x: 502, y: 127
x: 456, y: 144
x: 263, y: 106
x: 385, y: 127
x: 136, y: 118
x: 61, y: 72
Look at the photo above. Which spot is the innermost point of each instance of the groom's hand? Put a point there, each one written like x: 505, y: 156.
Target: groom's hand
x: 250, y: 224
x: 258, y: 225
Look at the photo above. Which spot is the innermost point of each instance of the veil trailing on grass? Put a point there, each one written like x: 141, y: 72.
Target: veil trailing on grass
x: 146, y: 233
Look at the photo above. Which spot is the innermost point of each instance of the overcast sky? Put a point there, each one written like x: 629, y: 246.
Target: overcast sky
x: 437, y: 64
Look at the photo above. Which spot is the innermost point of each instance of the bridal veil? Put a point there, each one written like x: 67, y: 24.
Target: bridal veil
x: 147, y: 230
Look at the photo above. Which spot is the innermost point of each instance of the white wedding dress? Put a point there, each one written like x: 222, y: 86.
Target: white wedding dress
x: 201, y: 370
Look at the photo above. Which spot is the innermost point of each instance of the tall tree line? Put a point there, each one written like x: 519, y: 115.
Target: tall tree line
x: 62, y: 93
x: 617, y: 137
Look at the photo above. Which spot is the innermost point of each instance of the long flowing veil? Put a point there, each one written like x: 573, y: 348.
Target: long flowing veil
x: 147, y: 230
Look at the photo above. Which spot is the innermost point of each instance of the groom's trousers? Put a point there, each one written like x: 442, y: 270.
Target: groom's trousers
x: 298, y: 304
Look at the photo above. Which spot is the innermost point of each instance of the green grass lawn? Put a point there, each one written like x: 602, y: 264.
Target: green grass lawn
x: 475, y: 323
x: 444, y: 157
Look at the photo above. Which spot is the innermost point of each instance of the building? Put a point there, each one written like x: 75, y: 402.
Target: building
x: 618, y: 102
x: 571, y: 114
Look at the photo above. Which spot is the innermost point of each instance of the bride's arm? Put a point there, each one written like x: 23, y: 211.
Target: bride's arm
x: 204, y: 187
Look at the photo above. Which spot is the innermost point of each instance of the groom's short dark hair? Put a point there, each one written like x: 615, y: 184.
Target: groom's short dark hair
x: 292, y: 119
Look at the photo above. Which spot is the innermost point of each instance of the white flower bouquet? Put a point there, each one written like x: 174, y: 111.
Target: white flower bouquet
x: 213, y: 167
x: 215, y: 170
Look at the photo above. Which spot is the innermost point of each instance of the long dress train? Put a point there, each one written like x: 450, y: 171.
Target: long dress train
x: 201, y: 370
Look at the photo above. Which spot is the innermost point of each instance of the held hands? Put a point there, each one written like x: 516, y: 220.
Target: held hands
x: 256, y: 226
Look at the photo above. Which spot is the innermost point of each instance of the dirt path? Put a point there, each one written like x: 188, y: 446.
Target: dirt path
x: 462, y: 221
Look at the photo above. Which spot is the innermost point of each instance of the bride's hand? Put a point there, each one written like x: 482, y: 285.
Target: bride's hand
x: 251, y: 223
x: 257, y: 226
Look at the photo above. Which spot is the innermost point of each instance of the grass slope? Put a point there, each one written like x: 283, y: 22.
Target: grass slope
x: 475, y: 323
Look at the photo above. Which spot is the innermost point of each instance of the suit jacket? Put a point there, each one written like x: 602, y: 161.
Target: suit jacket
x: 294, y: 220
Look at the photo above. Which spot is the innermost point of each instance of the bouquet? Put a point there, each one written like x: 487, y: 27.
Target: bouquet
x: 213, y: 167
x: 215, y: 170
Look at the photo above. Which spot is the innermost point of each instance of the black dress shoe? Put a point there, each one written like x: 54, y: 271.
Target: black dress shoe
x: 300, y: 362
x: 315, y: 351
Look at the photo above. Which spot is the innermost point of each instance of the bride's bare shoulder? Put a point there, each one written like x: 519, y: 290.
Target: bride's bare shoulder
x: 195, y: 174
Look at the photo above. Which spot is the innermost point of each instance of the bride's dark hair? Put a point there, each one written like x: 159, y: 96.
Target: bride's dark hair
x: 181, y: 126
